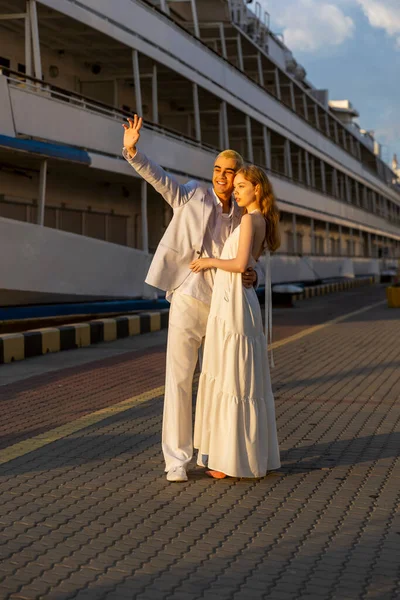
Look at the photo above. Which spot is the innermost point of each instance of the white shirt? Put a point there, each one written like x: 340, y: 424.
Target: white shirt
x: 219, y: 227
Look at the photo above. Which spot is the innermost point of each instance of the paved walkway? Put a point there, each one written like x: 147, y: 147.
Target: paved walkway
x: 85, y: 511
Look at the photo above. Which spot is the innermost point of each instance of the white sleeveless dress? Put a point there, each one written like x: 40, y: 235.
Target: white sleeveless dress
x: 235, y: 413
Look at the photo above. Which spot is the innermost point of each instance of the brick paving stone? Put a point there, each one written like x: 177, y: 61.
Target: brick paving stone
x: 92, y: 517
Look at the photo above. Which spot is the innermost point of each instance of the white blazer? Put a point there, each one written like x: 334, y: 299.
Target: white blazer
x: 182, y: 241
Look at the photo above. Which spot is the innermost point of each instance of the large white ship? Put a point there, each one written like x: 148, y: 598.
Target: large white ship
x: 75, y: 220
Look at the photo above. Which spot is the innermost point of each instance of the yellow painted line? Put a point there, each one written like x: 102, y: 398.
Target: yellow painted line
x: 37, y: 442
x: 56, y: 434
x: 310, y: 330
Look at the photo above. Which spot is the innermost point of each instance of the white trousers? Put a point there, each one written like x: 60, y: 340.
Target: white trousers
x: 186, y: 330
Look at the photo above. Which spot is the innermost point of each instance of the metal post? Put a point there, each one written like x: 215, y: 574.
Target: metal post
x: 154, y: 93
x: 197, y: 125
x: 305, y: 106
x: 42, y: 192
x: 136, y: 79
x: 195, y: 19
x: 347, y: 184
x: 267, y: 146
x: 292, y: 98
x: 299, y: 167
x: 335, y: 185
x: 164, y: 6
x: 222, y: 37
x: 336, y: 132
x: 145, y: 235
x: 307, y: 163
x: 28, y: 42
x: 327, y: 238
x: 312, y: 171
x: 323, y: 176
x: 294, y: 230
x: 351, y: 241
x: 288, y: 160
x: 357, y: 186
x: 37, y: 61
x: 277, y: 84
x: 239, y: 52
x: 312, y: 236
x: 260, y: 69
x: 250, y: 154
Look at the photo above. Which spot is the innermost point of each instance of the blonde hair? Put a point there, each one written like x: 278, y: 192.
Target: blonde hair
x: 234, y: 156
x: 267, y: 204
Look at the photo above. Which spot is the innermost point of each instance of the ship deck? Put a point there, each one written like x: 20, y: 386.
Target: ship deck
x: 87, y: 512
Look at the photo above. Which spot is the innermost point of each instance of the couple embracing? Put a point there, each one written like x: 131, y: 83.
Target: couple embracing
x: 207, y: 264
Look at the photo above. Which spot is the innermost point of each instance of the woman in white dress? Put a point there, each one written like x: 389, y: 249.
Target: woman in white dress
x: 235, y: 413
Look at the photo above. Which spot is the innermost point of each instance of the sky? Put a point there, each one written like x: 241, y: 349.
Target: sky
x: 351, y: 48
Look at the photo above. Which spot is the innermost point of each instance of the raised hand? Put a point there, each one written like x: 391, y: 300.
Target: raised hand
x: 132, y: 133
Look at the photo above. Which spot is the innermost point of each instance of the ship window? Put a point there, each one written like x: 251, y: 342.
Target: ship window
x: 319, y: 245
x: 117, y: 229
x: 4, y: 62
x: 13, y: 210
x: 50, y: 217
x: 71, y: 220
x: 96, y: 225
x: 299, y: 243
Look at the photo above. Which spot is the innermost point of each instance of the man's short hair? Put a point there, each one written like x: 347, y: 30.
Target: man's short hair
x: 234, y: 156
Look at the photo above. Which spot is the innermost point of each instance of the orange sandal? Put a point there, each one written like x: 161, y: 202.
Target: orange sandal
x: 216, y: 474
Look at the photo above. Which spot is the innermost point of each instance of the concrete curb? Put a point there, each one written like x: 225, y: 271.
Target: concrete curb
x: 330, y: 288
x: 36, y: 342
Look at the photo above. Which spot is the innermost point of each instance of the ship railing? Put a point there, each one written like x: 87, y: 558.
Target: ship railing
x: 256, y: 24
x: 31, y: 84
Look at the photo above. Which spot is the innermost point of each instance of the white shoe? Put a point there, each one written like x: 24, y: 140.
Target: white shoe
x: 177, y: 474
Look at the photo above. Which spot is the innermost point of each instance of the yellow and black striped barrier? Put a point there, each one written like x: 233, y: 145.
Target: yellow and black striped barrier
x: 18, y: 346
x: 330, y: 288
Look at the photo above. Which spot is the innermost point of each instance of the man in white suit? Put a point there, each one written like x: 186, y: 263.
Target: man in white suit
x: 202, y: 221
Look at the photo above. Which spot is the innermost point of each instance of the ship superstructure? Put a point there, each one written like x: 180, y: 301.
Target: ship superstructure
x: 75, y: 220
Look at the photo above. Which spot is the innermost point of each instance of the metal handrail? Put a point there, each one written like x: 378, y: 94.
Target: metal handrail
x: 86, y: 102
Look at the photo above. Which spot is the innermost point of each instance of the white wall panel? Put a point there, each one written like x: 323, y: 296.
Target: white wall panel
x: 44, y: 260
x: 293, y: 268
x: 6, y: 118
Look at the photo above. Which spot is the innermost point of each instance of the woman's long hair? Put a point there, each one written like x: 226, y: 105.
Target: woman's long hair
x: 268, y: 206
